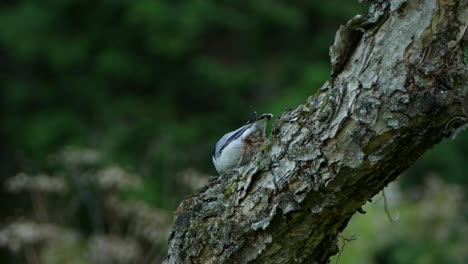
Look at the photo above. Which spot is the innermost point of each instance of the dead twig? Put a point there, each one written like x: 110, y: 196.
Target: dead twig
x: 390, y: 217
x: 352, y: 238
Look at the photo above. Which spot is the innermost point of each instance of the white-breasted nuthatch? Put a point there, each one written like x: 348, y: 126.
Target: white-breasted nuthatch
x: 238, y: 147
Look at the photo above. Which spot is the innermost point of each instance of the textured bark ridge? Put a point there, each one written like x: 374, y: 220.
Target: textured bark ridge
x: 397, y: 88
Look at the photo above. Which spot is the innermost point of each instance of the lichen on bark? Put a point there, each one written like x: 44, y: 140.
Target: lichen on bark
x: 398, y: 78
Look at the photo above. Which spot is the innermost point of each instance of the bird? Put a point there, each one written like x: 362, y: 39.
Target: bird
x: 238, y: 147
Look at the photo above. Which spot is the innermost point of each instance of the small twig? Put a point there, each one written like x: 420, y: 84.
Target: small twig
x: 352, y: 238
x: 390, y: 217
x: 447, y: 129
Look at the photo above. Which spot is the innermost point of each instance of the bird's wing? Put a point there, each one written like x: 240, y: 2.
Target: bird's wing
x: 228, y: 138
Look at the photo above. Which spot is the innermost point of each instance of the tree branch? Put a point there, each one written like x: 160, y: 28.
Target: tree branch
x: 398, y: 79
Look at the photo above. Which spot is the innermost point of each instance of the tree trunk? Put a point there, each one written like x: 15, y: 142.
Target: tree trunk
x: 397, y: 88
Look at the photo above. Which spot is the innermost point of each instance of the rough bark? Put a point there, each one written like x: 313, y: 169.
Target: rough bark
x: 397, y: 88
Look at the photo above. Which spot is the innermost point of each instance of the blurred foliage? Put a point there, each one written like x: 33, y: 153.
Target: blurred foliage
x: 78, y: 214
x: 152, y: 85
x: 447, y: 159
x: 430, y: 229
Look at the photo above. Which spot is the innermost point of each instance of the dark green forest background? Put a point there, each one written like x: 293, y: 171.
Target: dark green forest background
x: 144, y: 89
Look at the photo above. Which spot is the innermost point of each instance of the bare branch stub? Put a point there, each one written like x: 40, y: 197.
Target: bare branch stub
x: 401, y: 79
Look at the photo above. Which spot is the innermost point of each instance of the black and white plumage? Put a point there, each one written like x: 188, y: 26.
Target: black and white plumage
x: 238, y: 147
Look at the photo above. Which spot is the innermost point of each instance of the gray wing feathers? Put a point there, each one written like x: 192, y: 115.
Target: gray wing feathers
x: 228, y: 138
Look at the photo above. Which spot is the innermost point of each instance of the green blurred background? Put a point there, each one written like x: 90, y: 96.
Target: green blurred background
x: 149, y: 86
